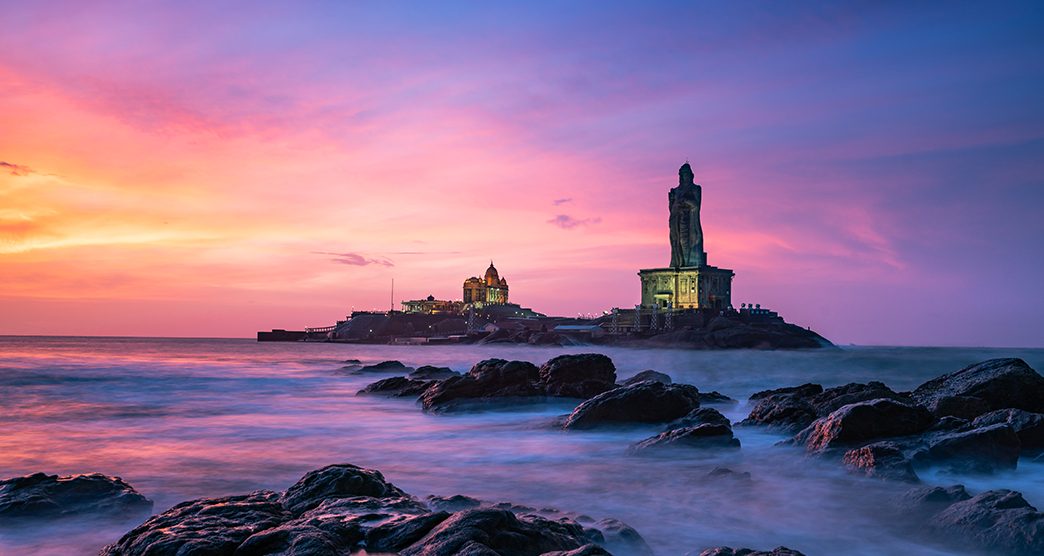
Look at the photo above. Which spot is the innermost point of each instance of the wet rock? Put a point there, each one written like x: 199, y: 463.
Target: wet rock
x: 999, y: 383
x: 923, y: 502
x: 786, y: 408
x: 729, y: 551
x: 398, y: 534
x: 306, y: 536
x: 862, y: 422
x: 428, y: 372
x: 586, y: 550
x: 1028, y: 426
x: 997, y: 521
x: 49, y: 496
x: 492, y: 531
x: 622, y: 538
x: 399, y: 386
x: 645, y: 402
x: 385, y: 367
x: 884, y: 460
x: 949, y: 423
x: 204, y: 526
x: 454, y: 503
x: 962, y: 407
x: 700, y: 436
x: 715, y: 397
x: 726, y: 474
x: 700, y: 416
x: 578, y: 376
x: 492, y: 378
x: 337, y: 481
x: 832, y: 399
x: 981, y: 450
x: 647, y: 375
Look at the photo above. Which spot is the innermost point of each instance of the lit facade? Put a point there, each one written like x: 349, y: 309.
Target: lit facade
x: 432, y: 306
x: 491, y: 289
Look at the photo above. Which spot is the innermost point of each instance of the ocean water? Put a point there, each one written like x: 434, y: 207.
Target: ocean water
x: 183, y: 418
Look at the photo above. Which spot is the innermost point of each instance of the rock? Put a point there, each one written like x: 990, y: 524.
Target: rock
x: 923, y: 502
x: 715, y: 397
x: 396, y: 386
x: 1028, y: 426
x: 831, y: 399
x: 454, y: 503
x: 981, y: 450
x: 962, y: 407
x: 306, y: 536
x: 49, y: 496
x: 396, y: 535
x: 385, y: 367
x: 622, y: 538
x: 999, y: 383
x: 578, y: 376
x: 864, y: 421
x: 884, y: 460
x: 996, y: 521
x: 700, y: 416
x: 428, y: 372
x: 729, y: 551
x: 204, y: 526
x: 645, y: 402
x: 647, y: 375
x: 492, y: 378
x: 586, y: 550
x: 700, y: 436
x: 337, y: 481
x: 787, y: 409
x: 724, y: 473
x: 492, y: 531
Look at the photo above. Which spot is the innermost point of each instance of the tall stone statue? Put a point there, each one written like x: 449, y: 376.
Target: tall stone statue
x: 686, y: 232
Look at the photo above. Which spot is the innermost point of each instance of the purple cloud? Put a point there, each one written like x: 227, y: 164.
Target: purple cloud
x: 567, y: 222
x: 355, y: 259
x: 562, y: 201
x: 15, y: 169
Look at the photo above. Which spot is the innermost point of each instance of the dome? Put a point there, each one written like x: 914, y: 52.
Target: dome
x: 492, y: 276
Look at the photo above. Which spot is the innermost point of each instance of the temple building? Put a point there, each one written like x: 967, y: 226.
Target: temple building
x: 689, y: 282
x: 491, y: 289
x: 432, y: 306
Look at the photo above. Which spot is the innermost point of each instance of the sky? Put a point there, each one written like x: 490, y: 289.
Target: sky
x: 874, y: 170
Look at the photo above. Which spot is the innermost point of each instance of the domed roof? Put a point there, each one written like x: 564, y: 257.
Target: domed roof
x: 491, y: 272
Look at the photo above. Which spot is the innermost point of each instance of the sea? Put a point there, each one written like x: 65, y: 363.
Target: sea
x: 187, y: 418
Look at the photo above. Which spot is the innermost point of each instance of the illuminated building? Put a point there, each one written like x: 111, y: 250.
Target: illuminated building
x: 432, y: 306
x: 491, y: 289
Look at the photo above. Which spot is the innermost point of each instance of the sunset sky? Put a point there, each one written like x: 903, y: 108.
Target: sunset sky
x: 874, y: 171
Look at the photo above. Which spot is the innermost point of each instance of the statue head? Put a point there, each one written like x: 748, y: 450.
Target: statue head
x: 685, y: 176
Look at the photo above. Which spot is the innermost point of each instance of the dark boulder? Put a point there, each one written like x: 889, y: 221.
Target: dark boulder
x: 1028, y: 426
x: 862, y: 422
x: 831, y: 399
x: 337, y: 481
x: 729, y: 551
x: 453, y: 503
x: 399, y: 386
x: 492, y: 531
x: 49, y: 496
x: 726, y: 474
x: 700, y: 436
x: 715, y: 397
x: 622, y: 538
x: 999, y: 383
x: 645, y: 402
x: 996, y: 521
x: 700, y: 416
x: 578, y: 376
x: 385, y: 367
x: 961, y: 407
x: 204, y: 526
x: 586, y: 550
x: 489, y: 379
x: 922, y: 503
x: 647, y: 375
x: 788, y: 409
x: 400, y: 533
x: 883, y: 460
x: 428, y: 372
x: 980, y: 450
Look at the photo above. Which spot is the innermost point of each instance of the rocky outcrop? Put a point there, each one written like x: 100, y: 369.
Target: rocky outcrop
x: 43, y: 496
x: 649, y: 374
x: 920, y: 503
x: 700, y: 416
x: 428, y: 372
x: 345, y: 509
x: 729, y: 551
x: 398, y: 386
x: 978, y: 450
x: 1029, y: 427
x: 883, y: 460
x: 999, y: 521
x: 998, y: 383
x: 384, y: 367
x: 645, y: 402
x: 787, y: 409
x: 862, y: 422
x: 715, y: 397
x: 489, y: 379
x: 578, y: 376
x: 700, y: 436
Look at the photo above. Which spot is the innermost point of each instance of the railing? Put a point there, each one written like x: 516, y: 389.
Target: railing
x: 320, y: 330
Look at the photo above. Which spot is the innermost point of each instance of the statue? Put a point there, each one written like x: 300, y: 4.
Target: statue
x: 686, y: 232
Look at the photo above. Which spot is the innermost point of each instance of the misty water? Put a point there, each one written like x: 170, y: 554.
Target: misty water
x: 182, y: 419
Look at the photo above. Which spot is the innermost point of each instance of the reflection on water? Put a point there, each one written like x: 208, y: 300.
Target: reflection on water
x: 181, y: 419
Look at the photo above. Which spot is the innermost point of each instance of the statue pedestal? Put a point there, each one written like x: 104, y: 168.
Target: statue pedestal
x: 687, y: 287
